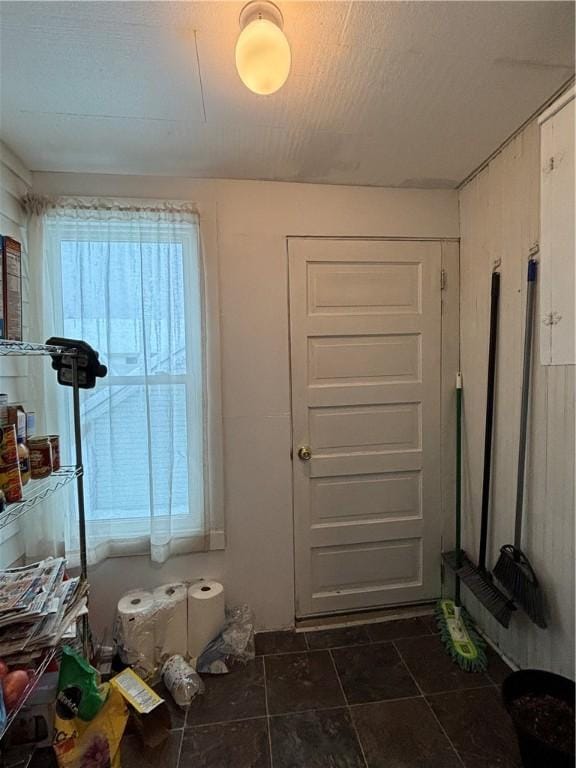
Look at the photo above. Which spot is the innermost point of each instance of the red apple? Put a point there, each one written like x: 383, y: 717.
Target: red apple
x: 13, y: 686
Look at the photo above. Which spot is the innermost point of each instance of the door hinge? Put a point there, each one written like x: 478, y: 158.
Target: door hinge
x: 443, y: 279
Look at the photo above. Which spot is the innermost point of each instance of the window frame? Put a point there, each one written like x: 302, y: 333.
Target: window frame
x: 202, y: 281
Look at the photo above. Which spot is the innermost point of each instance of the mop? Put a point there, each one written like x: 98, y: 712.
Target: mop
x: 457, y: 631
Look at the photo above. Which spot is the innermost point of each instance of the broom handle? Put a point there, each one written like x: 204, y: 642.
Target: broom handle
x: 494, y: 300
x: 458, y: 485
x: 527, y: 365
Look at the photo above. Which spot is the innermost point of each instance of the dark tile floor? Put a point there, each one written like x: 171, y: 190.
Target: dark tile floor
x: 376, y: 696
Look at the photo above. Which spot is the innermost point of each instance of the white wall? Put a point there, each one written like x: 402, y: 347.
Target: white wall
x: 15, y: 181
x: 500, y: 219
x: 244, y: 226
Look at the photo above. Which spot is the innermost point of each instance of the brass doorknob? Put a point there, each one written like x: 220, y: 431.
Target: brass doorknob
x: 304, y: 453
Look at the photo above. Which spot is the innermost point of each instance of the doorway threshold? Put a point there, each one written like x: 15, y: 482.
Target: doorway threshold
x: 374, y: 616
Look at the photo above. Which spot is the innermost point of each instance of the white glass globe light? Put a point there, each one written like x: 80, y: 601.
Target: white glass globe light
x: 263, y: 54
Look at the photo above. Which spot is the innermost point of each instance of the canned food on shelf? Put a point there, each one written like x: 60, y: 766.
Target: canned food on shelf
x: 10, y: 479
x: 55, y: 443
x: 40, y: 457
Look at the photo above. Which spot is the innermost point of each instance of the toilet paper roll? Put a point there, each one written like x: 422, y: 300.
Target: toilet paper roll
x: 205, y: 615
x: 136, y: 629
x: 172, y: 621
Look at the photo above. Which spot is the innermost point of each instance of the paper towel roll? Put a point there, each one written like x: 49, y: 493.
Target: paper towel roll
x: 136, y: 624
x: 172, y: 620
x: 205, y: 615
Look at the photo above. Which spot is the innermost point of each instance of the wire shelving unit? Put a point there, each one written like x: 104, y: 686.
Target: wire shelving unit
x: 39, y: 490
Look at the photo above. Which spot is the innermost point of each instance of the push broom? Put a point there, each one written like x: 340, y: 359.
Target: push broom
x: 457, y: 632
x: 477, y: 577
x: 513, y: 569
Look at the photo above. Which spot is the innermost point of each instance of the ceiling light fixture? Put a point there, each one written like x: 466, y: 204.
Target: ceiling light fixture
x: 262, y: 50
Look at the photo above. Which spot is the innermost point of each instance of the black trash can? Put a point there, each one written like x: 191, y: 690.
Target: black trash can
x: 535, y: 751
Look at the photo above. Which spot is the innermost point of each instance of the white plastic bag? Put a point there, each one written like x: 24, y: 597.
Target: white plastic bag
x: 181, y: 680
x: 234, y: 643
x: 134, y: 631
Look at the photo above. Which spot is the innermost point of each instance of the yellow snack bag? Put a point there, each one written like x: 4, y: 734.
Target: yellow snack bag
x: 96, y: 743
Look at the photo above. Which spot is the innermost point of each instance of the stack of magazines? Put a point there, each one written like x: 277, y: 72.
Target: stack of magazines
x: 38, y: 608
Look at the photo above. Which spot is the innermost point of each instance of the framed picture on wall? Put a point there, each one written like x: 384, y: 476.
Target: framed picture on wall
x: 11, y: 314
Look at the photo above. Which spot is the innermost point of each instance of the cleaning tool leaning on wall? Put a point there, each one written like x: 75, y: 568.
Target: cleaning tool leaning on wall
x: 457, y: 631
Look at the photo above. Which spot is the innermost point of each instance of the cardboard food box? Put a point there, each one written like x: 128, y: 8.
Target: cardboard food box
x: 149, y: 713
x: 11, y: 296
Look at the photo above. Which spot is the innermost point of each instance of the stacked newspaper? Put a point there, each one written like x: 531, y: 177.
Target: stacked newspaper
x: 38, y: 605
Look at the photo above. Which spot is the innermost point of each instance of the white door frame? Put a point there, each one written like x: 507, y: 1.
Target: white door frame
x: 450, y: 361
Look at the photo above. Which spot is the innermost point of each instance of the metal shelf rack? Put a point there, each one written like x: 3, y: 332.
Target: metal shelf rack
x: 17, y: 348
x: 48, y: 657
x: 41, y: 489
x: 36, y: 492
x: 30, y: 348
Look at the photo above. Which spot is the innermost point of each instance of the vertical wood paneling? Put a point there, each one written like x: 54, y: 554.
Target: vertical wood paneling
x: 14, y: 182
x: 500, y: 219
x: 557, y: 239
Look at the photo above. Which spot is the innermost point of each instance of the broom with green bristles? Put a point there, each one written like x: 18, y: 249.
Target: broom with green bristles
x: 457, y: 632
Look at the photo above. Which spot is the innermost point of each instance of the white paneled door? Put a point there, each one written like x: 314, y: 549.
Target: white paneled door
x: 365, y: 320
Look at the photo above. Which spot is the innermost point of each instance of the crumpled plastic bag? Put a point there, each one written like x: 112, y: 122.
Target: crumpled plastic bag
x: 234, y: 643
x: 181, y: 680
x: 94, y: 743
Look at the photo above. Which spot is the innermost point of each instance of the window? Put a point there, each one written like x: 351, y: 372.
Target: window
x: 132, y: 286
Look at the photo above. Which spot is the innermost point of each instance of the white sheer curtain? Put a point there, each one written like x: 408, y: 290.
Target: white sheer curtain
x: 43, y: 530
x: 127, y: 277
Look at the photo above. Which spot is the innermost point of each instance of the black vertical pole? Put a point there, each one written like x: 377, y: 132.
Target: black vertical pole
x: 458, y: 486
x: 80, y: 490
x: 494, y: 300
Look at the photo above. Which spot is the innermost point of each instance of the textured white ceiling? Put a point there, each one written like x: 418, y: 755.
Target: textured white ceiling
x: 380, y: 93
